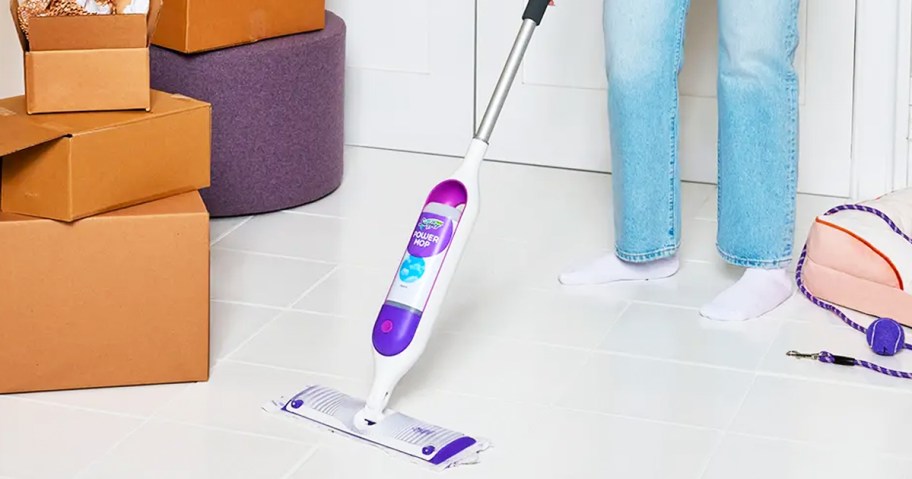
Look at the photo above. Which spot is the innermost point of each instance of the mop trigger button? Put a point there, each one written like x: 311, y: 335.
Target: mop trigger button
x: 394, y: 329
x: 428, y: 450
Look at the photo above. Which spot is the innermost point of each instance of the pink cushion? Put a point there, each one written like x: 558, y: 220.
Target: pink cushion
x: 844, y: 270
x: 834, y: 247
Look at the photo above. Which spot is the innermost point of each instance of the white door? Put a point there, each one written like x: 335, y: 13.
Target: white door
x: 410, y: 73
x: 556, y: 114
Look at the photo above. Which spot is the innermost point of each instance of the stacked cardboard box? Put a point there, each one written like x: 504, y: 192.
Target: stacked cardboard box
x: 193, y: 26
x: 86, y: 63
x: 104, y: 238
x: 104, y: 243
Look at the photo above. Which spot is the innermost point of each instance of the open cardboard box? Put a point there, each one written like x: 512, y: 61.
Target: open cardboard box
x: 87, y: 63
x: 67, y: 166
x: 192, y: 26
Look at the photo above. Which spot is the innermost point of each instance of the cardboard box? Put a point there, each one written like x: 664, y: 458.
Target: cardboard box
x: 87, y: 63
x: 192, y: 26
x: 68, y: 166
x: 114, y: 300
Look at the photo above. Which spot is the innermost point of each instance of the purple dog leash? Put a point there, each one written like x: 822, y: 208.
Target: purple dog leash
x: 825, y: 356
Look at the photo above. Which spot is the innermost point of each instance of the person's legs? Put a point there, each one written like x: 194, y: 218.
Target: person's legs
x: 758, y: 152
x: 644, y: 49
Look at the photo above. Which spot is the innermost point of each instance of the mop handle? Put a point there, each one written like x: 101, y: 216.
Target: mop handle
x: 824, y: 356
x: 532, y: 17
x: 535, y: 10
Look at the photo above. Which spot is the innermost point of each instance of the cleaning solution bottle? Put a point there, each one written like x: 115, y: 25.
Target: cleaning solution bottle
x: 401, y: 312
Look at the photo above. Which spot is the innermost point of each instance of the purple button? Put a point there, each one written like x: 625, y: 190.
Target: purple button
x: 393, y: 339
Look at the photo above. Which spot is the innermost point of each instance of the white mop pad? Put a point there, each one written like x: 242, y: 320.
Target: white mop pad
x: 422, y: 443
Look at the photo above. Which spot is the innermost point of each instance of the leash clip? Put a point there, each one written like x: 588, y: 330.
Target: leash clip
x: 796, y: 354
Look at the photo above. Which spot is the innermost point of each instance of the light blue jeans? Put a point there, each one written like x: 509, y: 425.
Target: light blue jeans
x: 758, y: 127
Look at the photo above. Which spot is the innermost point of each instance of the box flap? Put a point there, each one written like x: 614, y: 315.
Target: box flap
x: 87, y: 32
x: 14, y: 11
x: 18, y: 132
x: 181, y: 204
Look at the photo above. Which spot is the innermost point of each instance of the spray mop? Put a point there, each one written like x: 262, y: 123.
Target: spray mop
x: 406, y: 318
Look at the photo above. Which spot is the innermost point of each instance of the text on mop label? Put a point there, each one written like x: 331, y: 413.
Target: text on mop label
x: 432, y: 235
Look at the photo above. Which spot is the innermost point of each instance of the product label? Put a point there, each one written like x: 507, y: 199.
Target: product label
x: 431, y: 236
x: 412, y: 269
x: 422, y: 261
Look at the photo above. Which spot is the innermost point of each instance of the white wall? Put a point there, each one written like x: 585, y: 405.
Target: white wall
x: 11, y: 83
x: 409, y: 73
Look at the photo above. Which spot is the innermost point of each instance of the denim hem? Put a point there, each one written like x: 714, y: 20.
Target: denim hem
x: 754, y: 263
x: 648, y: 256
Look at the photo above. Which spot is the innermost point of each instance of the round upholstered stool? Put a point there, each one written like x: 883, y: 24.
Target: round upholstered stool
x: 277, y: 117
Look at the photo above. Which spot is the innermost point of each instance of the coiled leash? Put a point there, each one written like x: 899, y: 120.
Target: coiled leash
x: 885, y: 336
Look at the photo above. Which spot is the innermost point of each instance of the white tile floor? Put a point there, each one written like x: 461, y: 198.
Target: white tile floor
x: 622, y: 381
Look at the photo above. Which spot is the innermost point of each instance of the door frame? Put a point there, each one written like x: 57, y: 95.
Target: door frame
x: 880, y: 123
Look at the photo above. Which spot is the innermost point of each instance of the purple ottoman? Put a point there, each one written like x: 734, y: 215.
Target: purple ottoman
x: 276, y: 117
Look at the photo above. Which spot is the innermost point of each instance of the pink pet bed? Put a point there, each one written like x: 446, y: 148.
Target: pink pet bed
x: 855, y: 260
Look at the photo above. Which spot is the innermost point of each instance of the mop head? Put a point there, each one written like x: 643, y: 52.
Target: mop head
x: 422, y: 443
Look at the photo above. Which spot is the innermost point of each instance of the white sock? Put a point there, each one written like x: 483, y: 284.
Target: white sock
x: 758, y: 292
x: 610, y: 268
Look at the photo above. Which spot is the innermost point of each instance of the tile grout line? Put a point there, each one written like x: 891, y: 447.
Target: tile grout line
x: 251, y: 305
x: 291, y: 370
x: 110, y: 450
x: 597, y: 350
x: 280, y: 313
x: 73, y: 407
x: 354, y: 264
x: 545, y: 405
x: 835, y: 382
x: 639, y: 418
x: 313, y: 287
x: 130, y: 434
x: 834, y: 447
x: 298, y: 465
x: 780, y: 329
x: 316, y: 215
x: 273, y: 255
x: 712, y: 454
x: 621, y: 313
x: 725, y: 431
x: 256, y: 333
x: 589, y: 356
x: 241, y: 432
x: 230, y: 230
x: 555, y: 402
